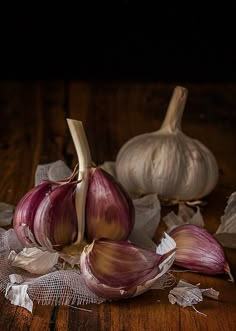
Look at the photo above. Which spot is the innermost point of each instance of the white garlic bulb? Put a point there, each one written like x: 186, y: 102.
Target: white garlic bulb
x: 168, y: 162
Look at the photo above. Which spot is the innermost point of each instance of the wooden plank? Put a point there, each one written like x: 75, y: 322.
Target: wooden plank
x: 21, y: 139
x: 42, y: 318
x: 53, y: 111
x: 84, y: 320
x: 32, y: 131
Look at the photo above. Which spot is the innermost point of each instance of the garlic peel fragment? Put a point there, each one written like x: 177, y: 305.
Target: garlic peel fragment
x: 187, y: 295
x: 53, y: 171
x: 16, y: 292
x: 147, y: 219
x: 34, y: 260
x: 228, y: 220
x: 186, y: 215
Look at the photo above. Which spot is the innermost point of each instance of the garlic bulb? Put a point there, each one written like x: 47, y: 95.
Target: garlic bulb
x: 167, y: 162
x: 65, y: 215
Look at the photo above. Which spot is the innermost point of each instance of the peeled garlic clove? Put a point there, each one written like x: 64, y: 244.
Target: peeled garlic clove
x: 109, y: 210
x: 55, y: 222
x: 23, y: 220
x: 198, y: 250
x: 116, y: 270
x: 167, y: 162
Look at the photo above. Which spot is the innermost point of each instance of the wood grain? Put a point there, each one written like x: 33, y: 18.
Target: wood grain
x: 33, y: 130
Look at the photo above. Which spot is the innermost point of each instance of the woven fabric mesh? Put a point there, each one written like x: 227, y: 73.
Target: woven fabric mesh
x: 57, y: 287
x: 60, y: 287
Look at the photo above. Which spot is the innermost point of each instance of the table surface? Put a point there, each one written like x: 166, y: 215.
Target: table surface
x: 33, y: 130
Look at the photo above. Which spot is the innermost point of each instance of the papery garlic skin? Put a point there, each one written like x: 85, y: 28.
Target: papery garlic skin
x: 109, y: 210
x: 228, y: 220
x: 168, y: 162
x: 34, y: 260
x: 116, y: 270
x: 198, y: 250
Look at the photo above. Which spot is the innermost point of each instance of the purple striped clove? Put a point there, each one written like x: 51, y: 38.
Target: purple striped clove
x: 109, y: 210
x: 198, y: 250
x: 119, y: 269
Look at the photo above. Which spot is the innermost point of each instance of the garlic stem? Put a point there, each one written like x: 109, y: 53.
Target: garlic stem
x: 175, y: 109
x: 85, y: 163
x: 81, y: 144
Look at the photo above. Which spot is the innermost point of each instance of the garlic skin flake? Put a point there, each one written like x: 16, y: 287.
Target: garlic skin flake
x: 186, y: 215
x: 167, y: 161
x: 226, y: 232
x: 186, y: 294
x: 118, y: 269
x: 228, y: 220
x: 34, y: 260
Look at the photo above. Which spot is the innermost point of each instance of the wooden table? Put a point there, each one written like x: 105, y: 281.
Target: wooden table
x: 34, y: 130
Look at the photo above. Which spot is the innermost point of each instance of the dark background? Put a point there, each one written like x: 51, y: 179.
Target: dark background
x: 124, y: 40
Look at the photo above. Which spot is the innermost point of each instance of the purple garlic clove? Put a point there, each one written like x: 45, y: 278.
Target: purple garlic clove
x: 109, y: 210
x: 23, y: 220
x: 119, y: 269
x: 55, y: 223
x: 198, y: 250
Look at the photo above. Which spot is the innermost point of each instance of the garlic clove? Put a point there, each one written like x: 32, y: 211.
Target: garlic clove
x: 198, y: 250
x: 23, y: 220
x: 55, y: 222
x: 119, y: 269
x: 167, y: 162
x: 109, y: 210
